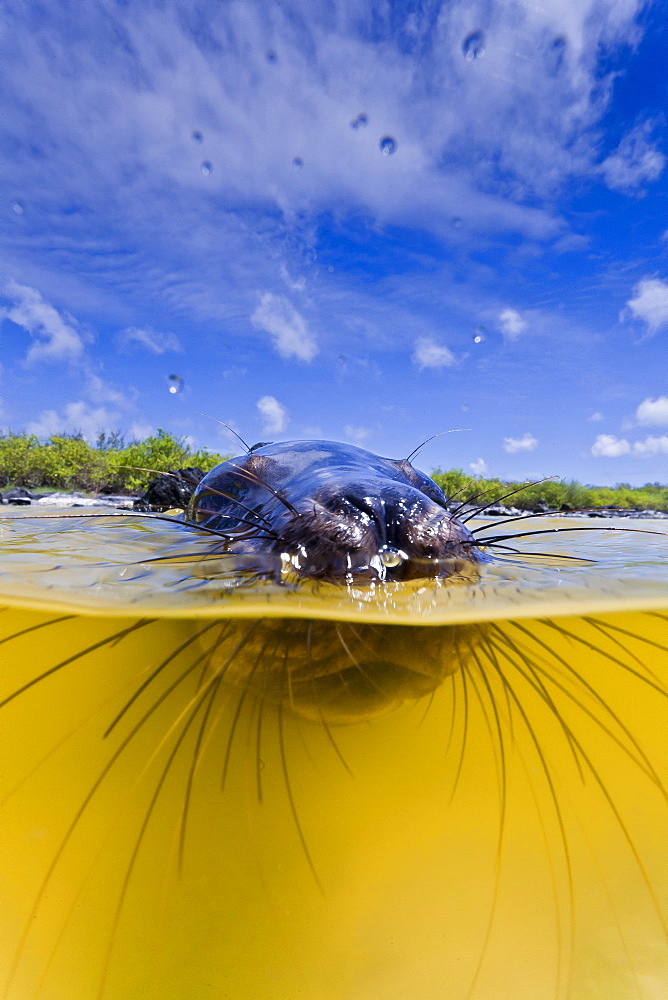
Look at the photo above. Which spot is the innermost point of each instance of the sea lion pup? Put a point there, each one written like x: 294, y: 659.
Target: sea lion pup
x: 334, y: 512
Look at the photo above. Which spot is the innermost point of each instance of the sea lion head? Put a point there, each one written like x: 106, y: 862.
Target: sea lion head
x: 331, y: 511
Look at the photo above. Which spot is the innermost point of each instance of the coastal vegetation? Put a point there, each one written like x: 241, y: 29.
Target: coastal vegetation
x: 69, y: 462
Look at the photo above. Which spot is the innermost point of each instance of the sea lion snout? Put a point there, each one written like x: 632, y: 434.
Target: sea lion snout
x: 377, y: 530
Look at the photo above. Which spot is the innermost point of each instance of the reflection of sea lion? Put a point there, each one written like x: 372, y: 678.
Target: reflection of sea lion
x: 333, y: 511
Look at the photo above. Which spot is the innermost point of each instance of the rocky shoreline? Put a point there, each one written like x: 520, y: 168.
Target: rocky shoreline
x: 174, y: 489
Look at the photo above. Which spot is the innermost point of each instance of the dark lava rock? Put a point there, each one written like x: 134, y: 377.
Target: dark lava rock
x: 542, y: 507
x: 172, y: 489
x: 18, y: 496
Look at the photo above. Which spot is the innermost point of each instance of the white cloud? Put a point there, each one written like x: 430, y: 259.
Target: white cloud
x: 526, y: 443
x: 511, y: 324
x: 292, y: 337
x: 649, y: 303
x: 596, y: 417
x: 78, y: 417
x: 274, y: 413
x: 479, y: 467
x: 357, y: 434
x: 99, y: 392
x: 157, y: 343
x: 429, y: 354
x: 609, y: 446
x: 54, y: 339
x: 651, y: 447
x: 293, y: 284
x: 634, y: 161
x: 139, y: 431
x: 653, y: 411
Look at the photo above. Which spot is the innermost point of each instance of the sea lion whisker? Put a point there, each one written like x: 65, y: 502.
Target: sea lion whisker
x: 199, y: 702
x: 291, y: 800
x: 237, y: 712
x: 656, y: 686
x: 196, y: 756
x: 528, y: 672
x: 76, y: 656
x: 455, y: 430
x: 465, y: 722
x: 554, y: 557
x: 539, y: 812
x: 511, y: 493
x: 259, y: 763
x: 609, y: 626
x: 34, y: 628
x: 642, y: 760
x: 254, y: 478
x: 82, y: 808
x: 213, y: 491
x: 142, y: 687
x: 546, y: 772
x: 230, y: 429
x: 502, y: 773
x: 499, y: 843
x: 553, y: 531
x: 311, y: 677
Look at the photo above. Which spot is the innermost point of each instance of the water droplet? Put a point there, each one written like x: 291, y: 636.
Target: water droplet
x: 17, y: 208
x: 361, y: 121
x: 388, y: 145
x: 206, y: 168
x: 456, y: 222
x: 391, y: 557
x: 271, y: 57
x: 330, y: 269
x: 196, y: 136
x: 473, y: 46
x: 297, y: 163
x: 557, y: 52
x: 175, y: 384
x: 479, y: 334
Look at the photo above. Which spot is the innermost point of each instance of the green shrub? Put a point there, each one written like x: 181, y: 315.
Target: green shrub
x: 68, y: 462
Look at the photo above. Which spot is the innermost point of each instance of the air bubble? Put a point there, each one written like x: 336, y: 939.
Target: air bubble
x: 206, y: 168
x: 388, y: 145
x: 297, y: 163
x: 361, y: 121
x: 17, y: 208
x: 479, y: 334
x: 197, y: 136
x: 175, y: 384
x: 473, y: 46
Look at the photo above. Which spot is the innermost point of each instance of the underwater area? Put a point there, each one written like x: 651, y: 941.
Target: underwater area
x: 220, y: 786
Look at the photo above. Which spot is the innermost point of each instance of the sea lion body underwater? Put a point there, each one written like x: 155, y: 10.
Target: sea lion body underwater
x: 332, y: 511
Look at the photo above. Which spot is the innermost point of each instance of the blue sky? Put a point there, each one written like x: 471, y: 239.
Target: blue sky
x: 199, y: 189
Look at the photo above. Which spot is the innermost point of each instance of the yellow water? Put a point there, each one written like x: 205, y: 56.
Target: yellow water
x: 233, y: 796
